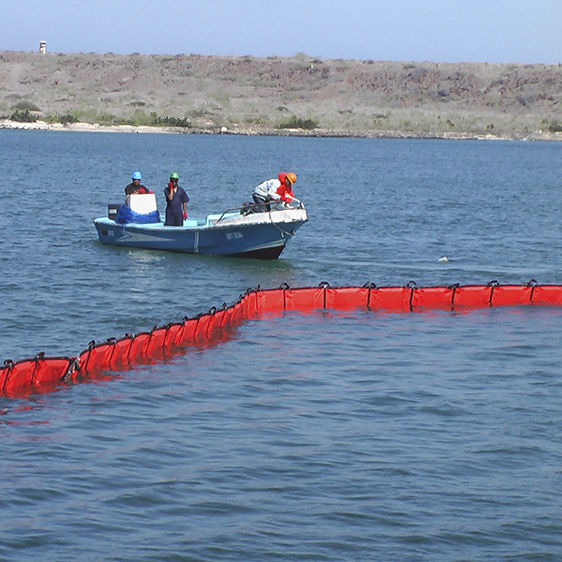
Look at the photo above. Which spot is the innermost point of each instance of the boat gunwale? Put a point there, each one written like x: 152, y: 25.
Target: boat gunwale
x: 219, y: 224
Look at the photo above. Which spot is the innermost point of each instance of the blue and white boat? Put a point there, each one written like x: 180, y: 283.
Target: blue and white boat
x: 252, y: 234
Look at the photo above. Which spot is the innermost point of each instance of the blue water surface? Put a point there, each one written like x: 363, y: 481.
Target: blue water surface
x: 330, y: 436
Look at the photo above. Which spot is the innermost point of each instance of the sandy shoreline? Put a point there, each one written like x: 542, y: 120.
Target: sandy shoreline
x: 82, y: 127
x: 265, y: 131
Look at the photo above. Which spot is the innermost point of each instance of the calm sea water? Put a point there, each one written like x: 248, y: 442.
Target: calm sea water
x: 360, y: 436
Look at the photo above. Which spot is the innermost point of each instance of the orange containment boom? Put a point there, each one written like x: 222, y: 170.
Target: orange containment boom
x: 41, y: 374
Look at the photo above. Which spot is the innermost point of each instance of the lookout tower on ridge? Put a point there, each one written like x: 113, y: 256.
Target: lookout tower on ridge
x: 42, y: 47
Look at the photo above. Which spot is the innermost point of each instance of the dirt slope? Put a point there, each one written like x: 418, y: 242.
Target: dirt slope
x: 257, y: 95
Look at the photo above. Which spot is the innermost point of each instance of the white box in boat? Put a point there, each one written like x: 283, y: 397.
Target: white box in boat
x: 142, y: 203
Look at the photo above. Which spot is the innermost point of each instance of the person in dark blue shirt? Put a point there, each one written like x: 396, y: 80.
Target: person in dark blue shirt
x: 176, y: 202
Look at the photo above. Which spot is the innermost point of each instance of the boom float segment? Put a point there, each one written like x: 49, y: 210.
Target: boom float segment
x: 42, y: 374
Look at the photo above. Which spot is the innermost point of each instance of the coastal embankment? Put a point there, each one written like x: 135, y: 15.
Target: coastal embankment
x: 300, y: 95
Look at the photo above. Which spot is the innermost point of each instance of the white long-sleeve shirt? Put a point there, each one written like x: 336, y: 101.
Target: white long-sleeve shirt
x: 268, y: 189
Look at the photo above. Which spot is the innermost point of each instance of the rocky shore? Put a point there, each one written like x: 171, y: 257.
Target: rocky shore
x: 300, y: 95
x: 265, y: 131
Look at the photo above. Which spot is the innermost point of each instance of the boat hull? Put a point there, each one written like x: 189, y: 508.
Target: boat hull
x: 259, y: 235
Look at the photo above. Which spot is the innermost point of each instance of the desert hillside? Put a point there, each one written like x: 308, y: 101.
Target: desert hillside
x: 298, y: 95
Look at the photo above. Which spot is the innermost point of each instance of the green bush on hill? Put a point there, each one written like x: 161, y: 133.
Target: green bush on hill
x: 159, y: 121
x: 23, y: 116
x: 295, y: 122
x: 67, y: 118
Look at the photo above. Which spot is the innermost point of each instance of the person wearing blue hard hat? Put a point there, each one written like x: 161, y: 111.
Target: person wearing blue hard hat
x: 135, y: 185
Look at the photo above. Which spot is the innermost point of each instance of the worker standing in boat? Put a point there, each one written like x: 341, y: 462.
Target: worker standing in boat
x: 135, y: 185
x: 176, y: 202
x: 274, y: 190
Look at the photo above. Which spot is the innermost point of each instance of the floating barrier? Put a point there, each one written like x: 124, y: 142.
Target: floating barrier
x: 41, y: 374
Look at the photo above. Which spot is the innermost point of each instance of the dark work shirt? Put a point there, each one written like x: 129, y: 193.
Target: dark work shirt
x: 174, y: 209
x: 132, y: 188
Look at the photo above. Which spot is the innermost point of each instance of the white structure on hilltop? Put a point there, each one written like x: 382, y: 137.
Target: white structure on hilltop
x: 43, y: 47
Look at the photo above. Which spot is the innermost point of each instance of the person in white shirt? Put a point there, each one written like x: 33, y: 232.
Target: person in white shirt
x: 274, y: 190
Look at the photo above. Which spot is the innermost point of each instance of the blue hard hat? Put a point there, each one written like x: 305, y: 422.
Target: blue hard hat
x: 137, y: 175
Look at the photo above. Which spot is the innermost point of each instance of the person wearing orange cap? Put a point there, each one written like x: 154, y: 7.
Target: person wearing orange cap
x: 276, y: 190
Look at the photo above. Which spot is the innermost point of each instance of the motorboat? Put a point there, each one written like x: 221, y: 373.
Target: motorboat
x: 245, y: 231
